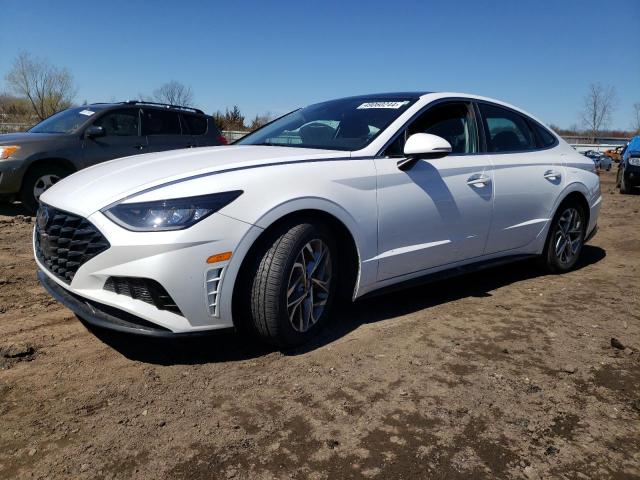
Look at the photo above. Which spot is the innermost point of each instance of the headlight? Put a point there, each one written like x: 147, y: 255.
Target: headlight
x: 174, y: 214
x: 7, y: 150
x: 634, y: 161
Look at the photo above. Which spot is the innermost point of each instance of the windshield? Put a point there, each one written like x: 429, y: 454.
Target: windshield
x: 64, y: 122
x: 346, y: 124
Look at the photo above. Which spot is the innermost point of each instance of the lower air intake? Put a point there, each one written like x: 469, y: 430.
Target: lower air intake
x: 145, y: 289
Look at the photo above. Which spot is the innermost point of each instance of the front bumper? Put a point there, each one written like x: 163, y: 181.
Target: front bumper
x: 109, y: 318
x: 11, y: 172
x: 632, y: 176
x: 176, y: 260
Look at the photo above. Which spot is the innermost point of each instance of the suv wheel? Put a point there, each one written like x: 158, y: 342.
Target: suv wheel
x: 293, y: 284
x: 37, y: 181
x: 566, y: 238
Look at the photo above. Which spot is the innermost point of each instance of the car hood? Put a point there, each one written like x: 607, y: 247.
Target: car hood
x: 27, y: 137
x: 91, y: 189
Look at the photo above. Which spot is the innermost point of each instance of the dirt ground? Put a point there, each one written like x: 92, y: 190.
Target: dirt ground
x: 508, y: 373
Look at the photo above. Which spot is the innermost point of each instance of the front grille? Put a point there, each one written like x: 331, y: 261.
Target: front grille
x: 64, y: 242
x: 145, y: 289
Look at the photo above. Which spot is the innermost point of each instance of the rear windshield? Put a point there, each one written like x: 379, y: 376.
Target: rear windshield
x: 64, y: 122
x: 345, y: 124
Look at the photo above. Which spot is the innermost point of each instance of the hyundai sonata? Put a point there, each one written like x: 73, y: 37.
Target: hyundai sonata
x: 341, y: 198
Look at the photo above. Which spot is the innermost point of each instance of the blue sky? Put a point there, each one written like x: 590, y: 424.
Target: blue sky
x: 275, y: 56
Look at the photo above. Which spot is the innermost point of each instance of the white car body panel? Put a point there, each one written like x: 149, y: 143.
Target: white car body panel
x: 405, y: 224
x: 430, y: 216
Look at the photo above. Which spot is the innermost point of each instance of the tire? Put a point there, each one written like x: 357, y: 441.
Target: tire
x: 277, y: 282
x: 555, y: 258
x: 624, y: 189
x: 40, y: 177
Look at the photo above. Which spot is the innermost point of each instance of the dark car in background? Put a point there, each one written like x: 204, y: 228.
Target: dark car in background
x: 629, y: 167
x: 79, y: 137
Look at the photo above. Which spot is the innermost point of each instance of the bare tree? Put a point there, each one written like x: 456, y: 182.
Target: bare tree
x: 599, y: 104
x: 635, y: 119
x: 48, y: 88
x: 174, y: 93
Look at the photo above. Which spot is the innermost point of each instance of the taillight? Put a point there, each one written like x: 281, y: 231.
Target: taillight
x: 223, y: 140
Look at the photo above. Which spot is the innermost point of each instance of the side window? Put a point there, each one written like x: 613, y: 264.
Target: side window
x: 506, y: 131
x: 160, y: 122
x: 196, y: 125
x: 119, y: 123
x: 452, y: 121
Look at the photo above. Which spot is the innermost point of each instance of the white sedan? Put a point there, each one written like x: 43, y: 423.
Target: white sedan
x: 341, y: 198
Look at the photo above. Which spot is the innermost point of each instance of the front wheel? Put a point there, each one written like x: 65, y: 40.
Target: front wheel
x: 566, y: 238
x: 37, y: 181
x: 293, y: 284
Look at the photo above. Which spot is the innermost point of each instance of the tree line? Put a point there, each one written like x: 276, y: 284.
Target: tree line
x: 36, y: 89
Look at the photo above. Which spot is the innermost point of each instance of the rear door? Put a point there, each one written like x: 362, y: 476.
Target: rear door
x: 528, y: 176
x: 164, y: 131
x: 121, y: 139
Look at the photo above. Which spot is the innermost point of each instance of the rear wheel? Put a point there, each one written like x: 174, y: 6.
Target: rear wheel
x: 37, y: 181
x: 293, y: 284
x: 566, y: 238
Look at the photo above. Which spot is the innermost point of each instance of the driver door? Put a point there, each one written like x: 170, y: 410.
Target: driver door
x: 121, y: 137
x: 439, y: 211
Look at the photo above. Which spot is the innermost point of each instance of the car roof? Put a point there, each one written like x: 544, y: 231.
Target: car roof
x: 387, y: 95
x: 141, y: 103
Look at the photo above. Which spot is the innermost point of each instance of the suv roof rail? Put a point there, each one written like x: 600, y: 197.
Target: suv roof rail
x: 165, y: 105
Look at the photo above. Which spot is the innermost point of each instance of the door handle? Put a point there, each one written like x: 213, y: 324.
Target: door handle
x: 139, y: 147
x: 552, y: 175
x: 479, y: 180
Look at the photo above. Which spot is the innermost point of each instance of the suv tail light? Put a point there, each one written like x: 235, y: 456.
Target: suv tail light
x: 223, y: 140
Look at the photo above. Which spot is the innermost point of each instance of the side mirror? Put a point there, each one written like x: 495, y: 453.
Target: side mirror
x: 94, y: 131
x: 423, y: 146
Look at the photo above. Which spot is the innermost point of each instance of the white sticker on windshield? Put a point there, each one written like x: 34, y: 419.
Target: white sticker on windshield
x: 382, y: 105
x: 88, y: 113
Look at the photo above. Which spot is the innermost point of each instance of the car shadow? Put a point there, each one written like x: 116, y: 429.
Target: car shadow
x: 347, y: 317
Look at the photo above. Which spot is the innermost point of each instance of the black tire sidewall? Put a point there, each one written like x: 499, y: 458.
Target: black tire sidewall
x: 284, y: 335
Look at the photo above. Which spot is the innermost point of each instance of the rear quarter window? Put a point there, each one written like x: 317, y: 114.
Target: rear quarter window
x: 546, y: 137
x: 196, y: 125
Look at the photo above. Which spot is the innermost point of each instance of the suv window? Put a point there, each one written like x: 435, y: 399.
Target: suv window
x: 506, y: 131
x: 120, y: 123
x: 197, y: 125
x: 160, y: 122
x: 452, y: 121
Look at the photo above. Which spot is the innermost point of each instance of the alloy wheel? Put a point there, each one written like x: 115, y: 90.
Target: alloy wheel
x: 309, y: 285
x: 43, y: 183
x: 568, y: 238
